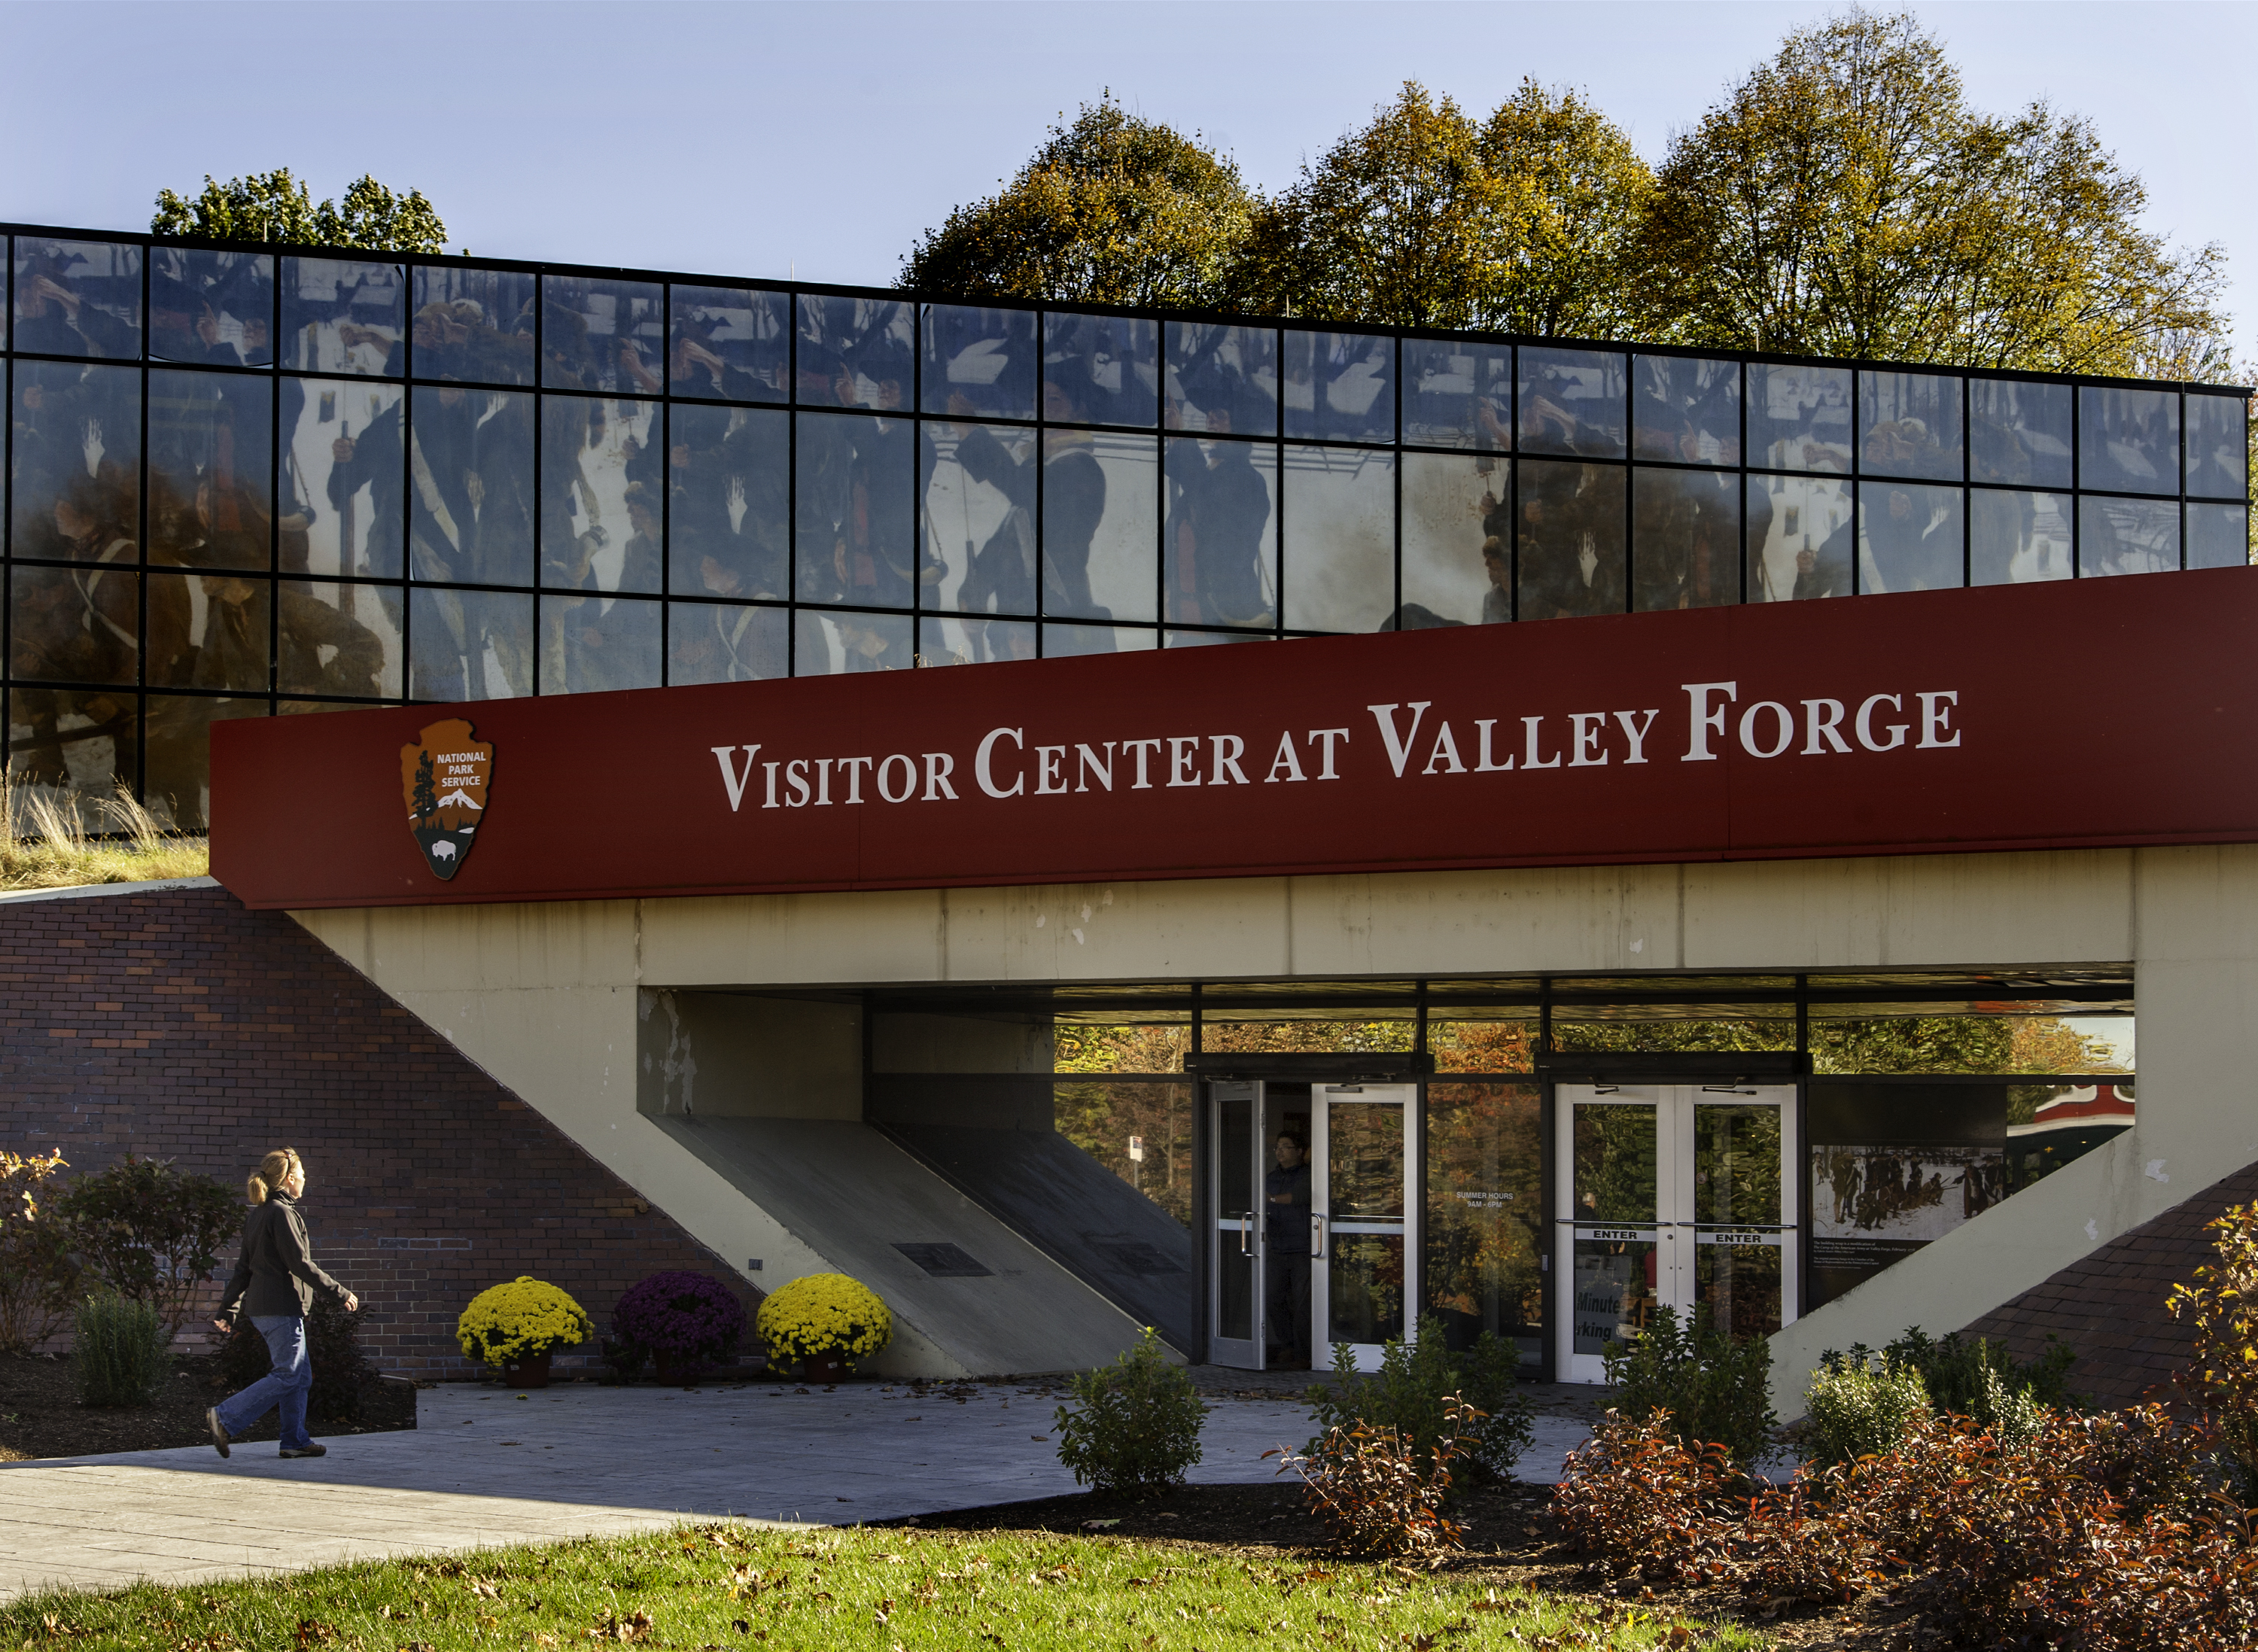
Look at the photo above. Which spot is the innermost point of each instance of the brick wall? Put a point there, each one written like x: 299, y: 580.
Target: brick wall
x: 175, y: 1024
x: 2109, y: 1305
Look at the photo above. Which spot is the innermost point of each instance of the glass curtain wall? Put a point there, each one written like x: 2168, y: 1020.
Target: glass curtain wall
x: 242, y: 482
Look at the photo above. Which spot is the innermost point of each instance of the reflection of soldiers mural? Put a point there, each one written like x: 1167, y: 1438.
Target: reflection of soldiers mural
x: 1218, y: 539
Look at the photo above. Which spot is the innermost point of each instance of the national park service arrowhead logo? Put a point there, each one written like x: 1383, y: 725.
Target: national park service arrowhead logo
x: 446, y: 774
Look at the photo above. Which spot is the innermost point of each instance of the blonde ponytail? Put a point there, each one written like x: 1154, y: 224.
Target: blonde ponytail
x: 273, y: 1172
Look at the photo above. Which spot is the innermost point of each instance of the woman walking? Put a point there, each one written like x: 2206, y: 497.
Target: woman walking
x: 278, y: 1276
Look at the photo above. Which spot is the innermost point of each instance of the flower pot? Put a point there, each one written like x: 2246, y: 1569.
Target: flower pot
x: 678, y: 1370
x: 822, y: 1368
x: 532, y: 1371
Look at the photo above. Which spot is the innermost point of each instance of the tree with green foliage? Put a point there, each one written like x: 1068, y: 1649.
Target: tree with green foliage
x: 150, y: 1232
x: 1844, y: 199
x: 274, y: 206
x: 1113, y: 209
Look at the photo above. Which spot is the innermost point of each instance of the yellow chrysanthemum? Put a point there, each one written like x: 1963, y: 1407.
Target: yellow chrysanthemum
x: 824, y: 1313
x: 519, y: 1320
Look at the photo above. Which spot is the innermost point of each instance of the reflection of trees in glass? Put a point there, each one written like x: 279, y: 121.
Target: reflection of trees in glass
x: 1958, y: 1043
x: 1485, y: 1204
x: 1280, y: 1037
x: 1626, y: 1035
x: 1364, y: 1291
x: 1363, y: 1158
x: 1145, y: 1047
x: 1736, y: 1152
x: 1615, y: 1164
x: 1482, y: 1047
x: 1100, y: 1118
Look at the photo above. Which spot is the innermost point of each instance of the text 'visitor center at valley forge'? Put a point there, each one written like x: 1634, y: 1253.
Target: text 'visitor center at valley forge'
x: 1581, y: 919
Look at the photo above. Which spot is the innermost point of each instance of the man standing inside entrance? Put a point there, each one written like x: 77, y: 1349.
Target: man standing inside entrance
x: 1286, y: 1237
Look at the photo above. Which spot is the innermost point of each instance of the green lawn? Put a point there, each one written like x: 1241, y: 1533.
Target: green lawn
x: 711, y: 1587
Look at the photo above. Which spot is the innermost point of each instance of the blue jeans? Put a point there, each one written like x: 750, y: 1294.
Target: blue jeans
x: 285, y: 1386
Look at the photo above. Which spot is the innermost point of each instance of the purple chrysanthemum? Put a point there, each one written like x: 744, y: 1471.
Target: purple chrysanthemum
x: 681, y: 1314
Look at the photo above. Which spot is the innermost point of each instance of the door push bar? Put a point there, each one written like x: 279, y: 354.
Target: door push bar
x: 1317, y: 1235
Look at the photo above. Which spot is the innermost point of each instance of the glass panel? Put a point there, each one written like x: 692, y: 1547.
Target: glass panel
x: 207, y: 631
x: 2217, y: 536
x: 215, y: 308
x: 211, y: 445
x: 77, y: 462
x: 342, y: 481
x: 1202, y: 639
x: 980, y: 516
x: 1341, y: 544
x: 74, y: 625
x: 1571, y: 401
x: 1895, y: 1166
x: 951, y: 639
x: 1685, y: 539
x: 68, y: 750
x: 470, y: 645
x: 1505, y: 1045
x: 2019, y: 432
x: 2050, y: 1125
x: 1458, y: 394
x: 1655, y: 1028
x: 77, y: 298
x: 1737, y: 1164
x: 599, y: 332
x: 2127, y: 536
x: 1364, y: 1177
x: 1615, y: 1162
x: 1736, y: 1278
x: 1341, y: 386
x: 2218, y: 446
x: 979, y: 363
x: 1063, y: 640
x: 1914, y: 537
x: 471, y: 494
x: 832, y: 644
x: 2128, y: 439
x: 1484, y: 1243
x: 591, y: 644
x: 1614, y: 1292
x: 1323, y: 1032
x: 473, y: 325
x: 177, y: 782
x: 1223, y: 380
x: 1236, y: 1203
x: 1221, y: 537
x: 340, y: 640
x: 1686, y: 409
x: 601, y: 493
x: 856, y: 540
x: 343, y: 316
x: 1140, y: 1133
x: 1100, y: 525
x: 1572, y: 539
x: 1100, y: 369
x: 1909, y: 425
x: 2017, y: 538
x: 1799, y: 537
x: 729, y: 344
x: 1799, y: 417
x: 1865, y: 1041
x: 856, y: 353
x: 1452, y: 511
x: 731, y: 531
x: 724, y: 643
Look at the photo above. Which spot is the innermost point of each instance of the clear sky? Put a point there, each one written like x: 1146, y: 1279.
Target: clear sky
x: 820, y: 138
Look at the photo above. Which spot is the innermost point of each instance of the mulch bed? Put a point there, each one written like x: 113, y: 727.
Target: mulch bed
x: 41, y: 1414
x: 1510, y: 1537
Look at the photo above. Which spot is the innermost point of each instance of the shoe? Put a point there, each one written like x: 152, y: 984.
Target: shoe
x: 218, y: 1433
x: 316, y: 1448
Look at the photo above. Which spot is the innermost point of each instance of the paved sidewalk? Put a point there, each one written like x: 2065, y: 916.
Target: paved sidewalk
x: 486, y: 1467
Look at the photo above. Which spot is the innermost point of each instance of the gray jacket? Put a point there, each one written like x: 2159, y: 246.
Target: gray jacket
x: 277, y: 1268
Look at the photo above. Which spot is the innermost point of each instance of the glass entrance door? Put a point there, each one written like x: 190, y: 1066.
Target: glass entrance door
x: 1674, y: 1196
x: 1235, y: 1195
x: 1364, y: 1257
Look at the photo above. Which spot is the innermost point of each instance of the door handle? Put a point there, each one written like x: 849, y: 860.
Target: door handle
x: 1245, y: 1233
x: 1317, y: 1235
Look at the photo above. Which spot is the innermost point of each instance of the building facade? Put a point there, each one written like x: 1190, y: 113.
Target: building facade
x: 1706, y: 946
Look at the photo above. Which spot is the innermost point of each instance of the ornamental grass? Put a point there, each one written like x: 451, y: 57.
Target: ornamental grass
x: 47, y: 843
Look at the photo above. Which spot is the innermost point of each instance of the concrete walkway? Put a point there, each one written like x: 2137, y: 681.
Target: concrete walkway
x: 485, y: 1466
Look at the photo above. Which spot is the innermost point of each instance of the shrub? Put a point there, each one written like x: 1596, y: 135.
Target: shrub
x: 1412, y: 1391
x: 822, y: 1315
x: 1713, y: 1387
x: 120, y: 1348
x: 2221, y: 1304
x: 150, y: 1232
x: 1959, y: 1372
x: 1859, y: 1405
x: 341, y: 1370
x: 690, y: 1319
x: 39, y: 1274
x: 1381, y: 1494
x: 1137, y: 1428
x: 521, y: 1320
x: 1640, y: 1499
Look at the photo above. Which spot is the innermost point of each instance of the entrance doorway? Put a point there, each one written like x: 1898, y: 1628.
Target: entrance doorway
x: 1318, y: 1245
x: 1674, y: 1195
